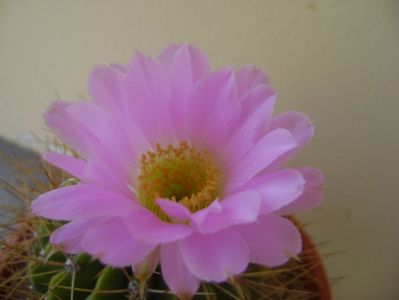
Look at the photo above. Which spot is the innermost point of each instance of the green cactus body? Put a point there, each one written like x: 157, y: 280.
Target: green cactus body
x: 61, y: 277
x: 31, y: 268
x: 58, y: 276
x: 111, y: 279
x: 41, y: 272
x: 81, y: 276
x: 55, y: 275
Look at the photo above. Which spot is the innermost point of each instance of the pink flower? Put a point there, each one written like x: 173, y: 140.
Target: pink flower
x: 180, y: 165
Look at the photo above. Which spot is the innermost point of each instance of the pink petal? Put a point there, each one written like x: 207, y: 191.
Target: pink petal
x: 57, y: 119
x: 297, y: 123
x: 91, y: 131
x: 272, y: 146
x: 148, y: 92
x: 145, y: 226
x: 80, y: 201
x: 175, y: 272
x: 69, y: 236
x: 248, y: 77
x: 236, y: 209
x: 313, y: 192
x: 199, y: 217
x: 301, y: 129
x: 213, y: 110
x: 145, y: 268
x: 277, y: 188
x: 119, y: 67
x: 253, y: 124
x: 106, y: 88
x: 186, y: 65
x: 273, y: 240
x: 176, y: 211
x: 74, y: 166
x: 99, y: 174
x: 255, y: 98
x: 103, y: 128
x: 111, y: 242
x: 216, y: 256
x: 167, y: 56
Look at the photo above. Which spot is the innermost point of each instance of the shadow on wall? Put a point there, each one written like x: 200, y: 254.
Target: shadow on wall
x: 10, y: 154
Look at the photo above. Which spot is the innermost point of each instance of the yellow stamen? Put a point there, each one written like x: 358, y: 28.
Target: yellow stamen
x: 181, y: 174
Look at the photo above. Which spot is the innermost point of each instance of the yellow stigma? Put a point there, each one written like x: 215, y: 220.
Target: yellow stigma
x: 181, y: 174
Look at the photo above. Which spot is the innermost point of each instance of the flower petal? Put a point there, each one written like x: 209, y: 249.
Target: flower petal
x: 186, y: 65
x: 199, y: 217
x: 148, y: 92
x: 106, y: 88
x: 313, y: 192
x: 103, y: 128
x: 69, y: 236
x: 248, y: 77
x: 112, y: 243
x: 256, y: 115
x: 145, y: 226
x: 67, y: 130
x: 277, y: 188
x: 92, y: 132
x: 144, y: 269
x: 99, y: 174
x: 216, y: 256
x: 72, y: 165
x: 80, y: 201
x: 272, y: 146
x: 213, y: 110
x: 175, y: 272
x: 166, y: 57
x: 273, y: 240
x: 236, y: 209
x: 297, y: 123
x: 301, y: 129
x: 255, y: 99
x: 176, y: 211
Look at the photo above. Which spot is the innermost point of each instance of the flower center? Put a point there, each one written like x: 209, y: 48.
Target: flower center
x: 181, y: 174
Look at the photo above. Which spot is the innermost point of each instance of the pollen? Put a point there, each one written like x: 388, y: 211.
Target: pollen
x: 182, y: 174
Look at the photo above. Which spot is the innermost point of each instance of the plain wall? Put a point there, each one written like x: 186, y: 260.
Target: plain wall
x: 337, y: 61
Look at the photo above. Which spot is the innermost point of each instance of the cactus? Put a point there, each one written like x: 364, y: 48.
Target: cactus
x: 52, y: 274
x: 31, y: 268
x: 62, y: 276
x: 58, y: 275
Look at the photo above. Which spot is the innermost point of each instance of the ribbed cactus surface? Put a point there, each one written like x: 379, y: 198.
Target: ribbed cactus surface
x: 60, y: 276
x: 31, y: 268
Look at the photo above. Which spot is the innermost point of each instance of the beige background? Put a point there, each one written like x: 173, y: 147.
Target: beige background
x: 338, y: 61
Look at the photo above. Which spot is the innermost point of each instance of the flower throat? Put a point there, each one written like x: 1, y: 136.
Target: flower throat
x: 181, y: 174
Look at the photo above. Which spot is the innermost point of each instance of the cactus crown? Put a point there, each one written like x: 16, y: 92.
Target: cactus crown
x: 31, y: 268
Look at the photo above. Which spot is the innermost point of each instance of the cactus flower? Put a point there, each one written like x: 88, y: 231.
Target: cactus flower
x: 182, y: 166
